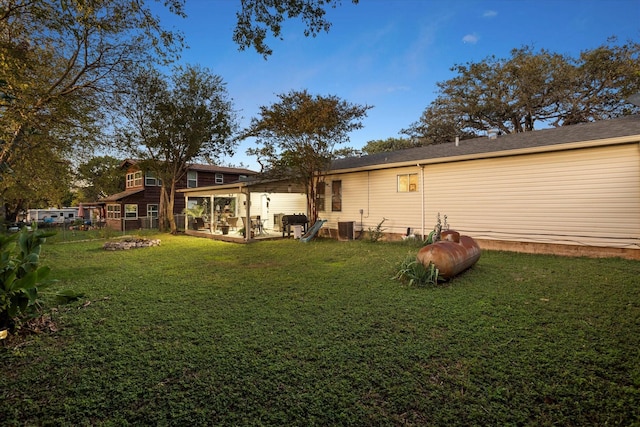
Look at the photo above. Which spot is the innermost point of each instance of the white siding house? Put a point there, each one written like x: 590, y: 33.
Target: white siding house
x: 569, y: 190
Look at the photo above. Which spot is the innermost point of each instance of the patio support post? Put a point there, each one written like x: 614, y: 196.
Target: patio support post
x: 212, y: 210
x: 247, y: 227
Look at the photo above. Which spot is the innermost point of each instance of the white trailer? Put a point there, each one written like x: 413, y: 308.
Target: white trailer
x: 52, y: 215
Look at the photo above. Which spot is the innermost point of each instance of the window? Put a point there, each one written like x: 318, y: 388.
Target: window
x: 219, y: 178
x: 408, y: 183
x: 134, y: 179
x: 192, y: 179
x: 150, y: 180
x: 131, y: 211
x: 336, y: 196
x: 152, y: 211
x: 320, y: 195
x: 113, y: 211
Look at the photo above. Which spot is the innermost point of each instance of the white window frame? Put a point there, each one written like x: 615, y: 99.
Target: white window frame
x: 131, y: 211
x: 192, y: 179
x: 114, y: 211
x: 134, y: 179
x: 150, y: 179
x: 405, y: 184
x: 153, y: 210
x: 219, y: 178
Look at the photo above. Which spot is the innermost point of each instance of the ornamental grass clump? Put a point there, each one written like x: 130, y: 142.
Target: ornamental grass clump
x: 414, y: 273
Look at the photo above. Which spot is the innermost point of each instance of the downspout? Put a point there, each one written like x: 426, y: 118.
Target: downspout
x: 422, y: 193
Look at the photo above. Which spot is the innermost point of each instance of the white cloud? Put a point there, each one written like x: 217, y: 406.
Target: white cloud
x: 470, y: 38
x: 490, y: 14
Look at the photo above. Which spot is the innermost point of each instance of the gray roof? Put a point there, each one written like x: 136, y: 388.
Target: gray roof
x: 119, y: 196
x: 603, y: 129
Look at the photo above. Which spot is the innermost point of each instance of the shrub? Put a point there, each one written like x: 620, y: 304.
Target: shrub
x: 21, y: 276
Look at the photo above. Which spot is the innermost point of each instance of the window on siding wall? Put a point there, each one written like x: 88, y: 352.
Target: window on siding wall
x: 407, y: 183
x: 219, y: 178
x: 320, y: 196
x: 131, y: 211
x: 150, y: 180
x: 134, y: 179
x: 113, y: 211
x: 152, y: 211
x: 336, y: 196
x: 192, y: 179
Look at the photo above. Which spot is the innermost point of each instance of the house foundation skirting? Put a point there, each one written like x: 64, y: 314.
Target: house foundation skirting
x: 563, y: 250
x: 525, y: 247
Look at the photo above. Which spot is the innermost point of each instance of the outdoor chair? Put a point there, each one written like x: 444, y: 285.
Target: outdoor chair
x: 233, y: 222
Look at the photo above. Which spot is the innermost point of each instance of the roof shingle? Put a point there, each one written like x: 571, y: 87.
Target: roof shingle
x: 603, y: 129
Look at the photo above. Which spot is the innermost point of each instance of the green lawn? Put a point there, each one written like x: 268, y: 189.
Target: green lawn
x: 198, y: 332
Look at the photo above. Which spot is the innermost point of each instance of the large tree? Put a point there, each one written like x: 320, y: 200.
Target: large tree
x: 169, y: 122
x: 60, y: 63
x: 61, y: 59
x: 296, y: 137
x: 529, y: 88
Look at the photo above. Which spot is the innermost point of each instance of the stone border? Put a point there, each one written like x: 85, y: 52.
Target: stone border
x: 130, y: 243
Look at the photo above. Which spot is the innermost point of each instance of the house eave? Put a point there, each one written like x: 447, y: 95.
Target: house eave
x: 267, y: 186
x: 632, y: 139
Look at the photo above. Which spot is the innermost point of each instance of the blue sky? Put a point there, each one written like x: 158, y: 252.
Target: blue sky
x: 390, y: 53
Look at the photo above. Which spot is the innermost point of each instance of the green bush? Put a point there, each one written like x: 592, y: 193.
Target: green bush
x: 21, y: 276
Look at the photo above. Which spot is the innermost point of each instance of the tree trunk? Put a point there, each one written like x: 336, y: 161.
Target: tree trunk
x: 170, y: 216
x: 312, y: 206
x: 163, y: 222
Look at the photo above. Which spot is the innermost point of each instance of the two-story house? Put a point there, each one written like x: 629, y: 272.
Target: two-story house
x: 137, y: 206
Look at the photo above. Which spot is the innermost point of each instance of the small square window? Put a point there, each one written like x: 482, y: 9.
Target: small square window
x: 408, y: 183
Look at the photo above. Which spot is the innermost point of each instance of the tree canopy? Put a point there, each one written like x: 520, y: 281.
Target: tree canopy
x: 296, y: 137
x: 532, y: 88
x: 389, y: 144
x: 257, y: 18
x: 61, y: 61
x: 168, y: 122
x: 99, y: 177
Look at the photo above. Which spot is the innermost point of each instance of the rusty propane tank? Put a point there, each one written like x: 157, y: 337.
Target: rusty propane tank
x: 451, y: 255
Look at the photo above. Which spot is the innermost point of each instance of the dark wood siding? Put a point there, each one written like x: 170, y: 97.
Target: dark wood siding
x: 151, y: 196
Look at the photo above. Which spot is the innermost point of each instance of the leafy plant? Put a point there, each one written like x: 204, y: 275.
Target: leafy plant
x: 21, y: 276
x: 414, y: 273
x: 376, y: 233
x: 196, y: 211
